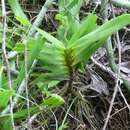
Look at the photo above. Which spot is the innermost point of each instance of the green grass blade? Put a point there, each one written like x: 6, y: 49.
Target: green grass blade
x: 96, y: 39
x: 1, y: 71
x: 15, y: 6
x: 5, y: 97
x: 33, y: 54
x: 86, y: 26
x: 50, y: 38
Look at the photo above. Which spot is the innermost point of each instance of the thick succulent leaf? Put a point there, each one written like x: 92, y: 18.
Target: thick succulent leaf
x: 73, y: 16
x: 87, y: 25
x: 53, y: 61
x: 88, y: 51
x: 61, y: 4
x: 95, y: 39
x: 66, y: 6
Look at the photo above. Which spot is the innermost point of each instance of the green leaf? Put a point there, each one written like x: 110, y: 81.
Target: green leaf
x: 5, y: 96
x: 53, y: 83
x: 32, y: 55
x: 53, y: 60
x: 70, y: 10
x: 19, y: 47
x: 15, y: 6
x: 71, y: 4
x: 23, y: 21
x: 50, y: 38
x: 95, y: 39
x: 87, y: 25
x: 44, y: 86
x: 53, y: 101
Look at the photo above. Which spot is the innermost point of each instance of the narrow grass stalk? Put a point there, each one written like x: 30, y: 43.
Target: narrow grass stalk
x: 40, y: 17
x: 64, y: 120
x: 5, y: 59
x: 109, y: 49
x: 32, y: 31
x: 104, y: 5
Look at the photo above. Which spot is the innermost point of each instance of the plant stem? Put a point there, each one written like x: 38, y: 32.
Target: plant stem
x: 5, y: 59
x: 37, y: 23
x: 121, y: 3
x: 40, y: 17
x: 109, y: 49
x: 110, y: 52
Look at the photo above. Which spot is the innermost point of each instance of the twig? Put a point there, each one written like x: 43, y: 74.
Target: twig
x: 118, y: 111
x: 104, y: 9
x: 124, y: 98
x: 111, y: 104
x: 116, y: 69
x: 119, y: 51
x: 109, y: 49
x: 106, y: 69
x: 5, y: 59
x: 121, y: 3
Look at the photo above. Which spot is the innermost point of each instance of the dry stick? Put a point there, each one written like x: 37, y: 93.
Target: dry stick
x: 128, y: 106
x: 112, y: 62
x: 109, y: 49
x: 124, y: 4
x: 105, y: 6
x: 5, y: 59
x: 118, y: 111
x: 111, y: 104
x: 104, y: 68
x: 116, y: 87
x: 104, y: 9
x: 39, y: 19
x: 119, y: 49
